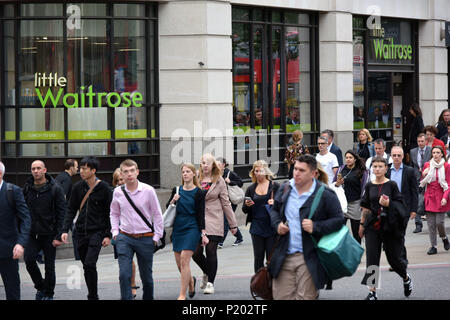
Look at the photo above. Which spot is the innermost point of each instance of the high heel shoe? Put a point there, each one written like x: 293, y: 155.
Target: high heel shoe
x: 192, y: 294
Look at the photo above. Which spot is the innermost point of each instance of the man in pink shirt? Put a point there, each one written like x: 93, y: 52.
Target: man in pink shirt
x: 131, y: 233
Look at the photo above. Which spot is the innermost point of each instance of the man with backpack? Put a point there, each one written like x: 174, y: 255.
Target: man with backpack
x: 92, y: 198
x: 47, y: 204
x: 15, y: 224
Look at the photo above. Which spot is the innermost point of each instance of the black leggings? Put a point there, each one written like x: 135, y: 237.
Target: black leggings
x: 208, y: 264
x: 355, y: 228
x: 261, y: 247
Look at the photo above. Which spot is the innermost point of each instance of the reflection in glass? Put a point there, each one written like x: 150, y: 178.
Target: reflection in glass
x: 379, y: 113
x: 41, y: 10
x: 129, y: 10
x: 41, y: 51
x: 358, y: 79
x: 129, y: 56
x: 276, y: 77
x: 9, y: 63
x: 130, y: 123
x: 134, y: 147
x: 240, y: 14
x: 258, y: 76
x: 10, y: 124
x: 241, y: 76
x: 42, y: 150
x: 92, y: 149
x: 90, y: 9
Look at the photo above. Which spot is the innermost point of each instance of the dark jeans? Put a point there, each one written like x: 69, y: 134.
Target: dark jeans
x: 226, y: 227
x: 143, y: 247
x: 261, y: 246
x: 354, y: 224
x: 209, y: 263
x: 89, y: 247
x: 34, y: 246
x: 9, y: 270
x: 394, y: 248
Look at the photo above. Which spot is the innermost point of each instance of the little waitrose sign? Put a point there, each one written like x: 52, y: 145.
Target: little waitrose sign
x: 83, y: 99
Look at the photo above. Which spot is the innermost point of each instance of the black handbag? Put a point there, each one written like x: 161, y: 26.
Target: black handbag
x: 162, y: 242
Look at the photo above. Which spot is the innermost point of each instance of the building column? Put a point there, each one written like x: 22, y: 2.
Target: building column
x: 336, y: 74
x: 195, y: 84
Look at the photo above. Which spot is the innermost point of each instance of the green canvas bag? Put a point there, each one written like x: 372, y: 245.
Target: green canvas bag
x: 339, y: 253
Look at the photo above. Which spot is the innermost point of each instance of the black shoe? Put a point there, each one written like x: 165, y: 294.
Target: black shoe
x: 192, y: 294
x: 391, y: 269
x: 418, y: 229
x: 371, y: 296
x: 446, y: 244
x: 432, y: 250
x: 39, y: 295
x: 407, y: 286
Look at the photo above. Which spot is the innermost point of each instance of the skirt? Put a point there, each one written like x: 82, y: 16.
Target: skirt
x: 353, y: 210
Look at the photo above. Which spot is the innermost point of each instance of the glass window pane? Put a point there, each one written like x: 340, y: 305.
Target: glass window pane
x: 258, y: 77
x: 9, y: 63
x: 379, y: 112
x: 88, y: 9
x: 296, y: 18
x: 133, y: 147
x: 41, y: 10
x: 276, y: 16
x: 151, y: 38
x: 358, y: 79
x: 10, y: 124
x: 298, y: 73
x: 8, y: 10
x: 41, y: 149
x: 276, y: 78
x: 258, y: 15
x: 94, y: 149
x: 88, y: 124
x: 129, y: 56
x: 88, y: 57
x: 41, y: 124
x: 241, y: 76
x: 10, y: 149
x: 131, y: 123
x: 240, y: 14
x: 129, y: 10
x: 41, y: 51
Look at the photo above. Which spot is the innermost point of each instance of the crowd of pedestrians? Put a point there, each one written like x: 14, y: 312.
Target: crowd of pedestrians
x: 381, y: 192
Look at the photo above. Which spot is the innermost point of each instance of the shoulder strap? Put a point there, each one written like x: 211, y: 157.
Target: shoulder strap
x: 316, y: 201
x: 86, y: 196
x: 136, y: 208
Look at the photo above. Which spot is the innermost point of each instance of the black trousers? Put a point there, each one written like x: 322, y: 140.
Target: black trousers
x: 9, y: 270
x: 262, y: 247
x: 89, y: 247
x: 395, y: 250
x: 36, y: 243
x: 354, y: 224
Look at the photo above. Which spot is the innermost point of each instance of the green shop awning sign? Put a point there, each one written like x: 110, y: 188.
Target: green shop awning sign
x: 78, y: 134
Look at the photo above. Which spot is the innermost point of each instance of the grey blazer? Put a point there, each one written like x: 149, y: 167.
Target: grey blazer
x: 413, y: 158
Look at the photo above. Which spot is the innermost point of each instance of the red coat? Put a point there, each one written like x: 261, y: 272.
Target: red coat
x: 434, y: 192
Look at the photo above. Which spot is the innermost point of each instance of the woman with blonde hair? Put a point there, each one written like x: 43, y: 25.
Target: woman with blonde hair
x: 364, y: 146
x: 321, y: 175
x: 189, y: 224
x: 260, y: 193
x: 295, y: 150
x: 216, y: 204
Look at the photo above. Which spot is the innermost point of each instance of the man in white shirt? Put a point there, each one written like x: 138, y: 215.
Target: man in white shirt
x: 327, y: 160
x: 380, y: 148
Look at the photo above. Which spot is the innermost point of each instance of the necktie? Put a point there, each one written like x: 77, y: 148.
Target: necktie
x: 421, y: 157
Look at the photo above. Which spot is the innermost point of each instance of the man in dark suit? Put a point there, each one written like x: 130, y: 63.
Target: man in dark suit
x: 15, y: 224
x: 418, y: 157
x: 333, y: 148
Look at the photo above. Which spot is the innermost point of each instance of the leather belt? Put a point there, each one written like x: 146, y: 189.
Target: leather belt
x: 138, y: 235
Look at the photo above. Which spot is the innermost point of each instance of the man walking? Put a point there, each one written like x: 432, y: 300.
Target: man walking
x: 45, y: 199
x: 380, y: 151
x: 92, y: 197
x: 295, y: 267
x: 15, y: 224
x: 134, y: 234
x: 332, y: 147
x: 327, y: 159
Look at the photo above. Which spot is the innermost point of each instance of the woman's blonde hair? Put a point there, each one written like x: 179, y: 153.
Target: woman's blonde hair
x: 367, y: 133
x: 322, y: 176
x: 116, y: 177
x: 262, y: 164
x: 191, y: 167
x: 216, y: 172
x: 297, y: 135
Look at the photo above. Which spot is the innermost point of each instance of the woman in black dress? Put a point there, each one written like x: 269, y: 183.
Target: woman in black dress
x: 381, y: 221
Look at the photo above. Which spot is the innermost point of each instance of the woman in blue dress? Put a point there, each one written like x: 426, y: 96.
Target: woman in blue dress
x: 189, y: 225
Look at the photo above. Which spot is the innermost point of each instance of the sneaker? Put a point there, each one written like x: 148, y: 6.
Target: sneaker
x: 209, y: 288
x: 431, y: 251
x: 408, y: 286
x: 371, y: 296
x: 446, y: 244
x: 39, y: 295
x: 220, y: 245
x: 418, y: 229
x: 47, y: 298
x: 204, y: 281
x: 238, y: 242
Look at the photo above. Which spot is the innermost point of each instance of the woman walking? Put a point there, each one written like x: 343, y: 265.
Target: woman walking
x: 294, y: 151
x: 216, y: 204
x: 364, y: 147
x: 383, y: 212
x: 353, y: 177
x: 189, y: 226
x: 259, y: 194
x: 436, y: 179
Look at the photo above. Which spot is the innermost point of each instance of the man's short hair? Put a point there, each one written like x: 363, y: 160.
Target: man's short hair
x: 128, y: 163
x: 379, y: 140
x: 420, y: 135
x: 379, y: 159
x: 91, y: 162
x: 398, y: 147
x: 323, y: 138
x: 329, y: 132
x: 309, y: 160
x: 2, y: 168
x: 69, y: 164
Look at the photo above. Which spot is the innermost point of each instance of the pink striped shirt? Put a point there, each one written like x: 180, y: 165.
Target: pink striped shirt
x: 123, y: 214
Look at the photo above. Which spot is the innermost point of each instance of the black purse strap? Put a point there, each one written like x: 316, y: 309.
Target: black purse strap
x: 136, y: 208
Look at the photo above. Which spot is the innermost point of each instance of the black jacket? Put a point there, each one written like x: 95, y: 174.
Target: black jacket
x: 47, y: 207
x: 410, y: 187
x: 327, y: 219
x: 94, y: 215
x: 65, y: 181
x: 250, y: 192
x: 15, y: 224
x: 199, y: 206
x: 235, y: 180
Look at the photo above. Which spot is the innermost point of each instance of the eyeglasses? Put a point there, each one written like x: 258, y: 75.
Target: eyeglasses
x: 322, y: 143
x: 396, y: 155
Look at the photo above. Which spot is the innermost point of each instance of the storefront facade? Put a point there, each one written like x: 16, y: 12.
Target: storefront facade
x: 233, y: 78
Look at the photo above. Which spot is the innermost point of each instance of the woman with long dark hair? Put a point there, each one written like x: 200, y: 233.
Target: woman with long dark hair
x: 353, y: 176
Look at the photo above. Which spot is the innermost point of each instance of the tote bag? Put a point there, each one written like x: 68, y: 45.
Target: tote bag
x: 339, y: 253
x: 170, y: 214
x: 235, y: 193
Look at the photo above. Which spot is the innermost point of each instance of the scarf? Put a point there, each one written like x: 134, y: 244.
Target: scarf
x: 431, y: 175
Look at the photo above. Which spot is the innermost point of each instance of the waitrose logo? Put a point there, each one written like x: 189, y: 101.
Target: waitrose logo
x: 386, y: 49
x: 84, y: 99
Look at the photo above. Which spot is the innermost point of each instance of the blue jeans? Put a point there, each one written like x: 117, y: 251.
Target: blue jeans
x: 126, y: 247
